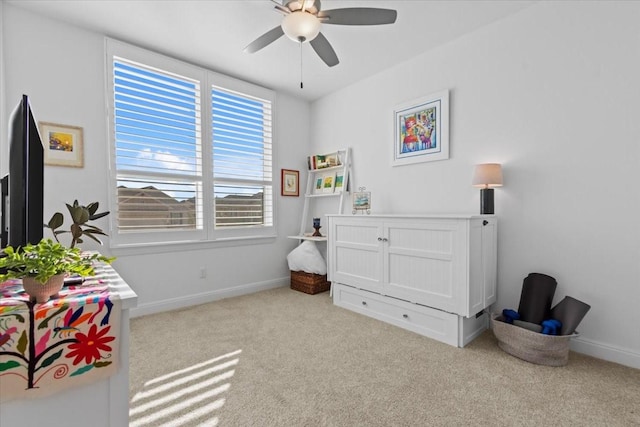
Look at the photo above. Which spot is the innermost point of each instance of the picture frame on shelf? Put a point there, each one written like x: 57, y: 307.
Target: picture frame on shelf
x: 290, y: 182
x: 317, y: 189
x: 63, y: 144
x: 421, y: 130
x: 328, y: 182
x: 339, y: 186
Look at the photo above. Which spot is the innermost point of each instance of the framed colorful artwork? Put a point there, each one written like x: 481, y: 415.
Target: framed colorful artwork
x: 318, y: 184
x: 328, y: 182
x: 421, y: 130
x: 339, y: 182
x: 63, y: 145
x: 290, y: 183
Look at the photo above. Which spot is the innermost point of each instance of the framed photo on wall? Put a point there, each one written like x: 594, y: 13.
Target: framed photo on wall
x: 421, y: 130
x: 290, y: 182
x: 63, y: 145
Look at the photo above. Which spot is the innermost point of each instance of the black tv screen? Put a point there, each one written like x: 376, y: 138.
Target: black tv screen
x: 23, y: 206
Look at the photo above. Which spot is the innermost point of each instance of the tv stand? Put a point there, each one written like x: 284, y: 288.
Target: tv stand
x: 105, y: 402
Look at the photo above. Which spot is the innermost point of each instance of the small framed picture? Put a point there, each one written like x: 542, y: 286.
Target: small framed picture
x: 317, y: 188
x: 328, y: 182
x: 290, y: 185
x: 339, y: 182
x: 62, y: 145
x: 362, y: 202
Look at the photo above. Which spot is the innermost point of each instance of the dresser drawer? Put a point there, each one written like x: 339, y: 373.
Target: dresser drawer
x: 432, y: 323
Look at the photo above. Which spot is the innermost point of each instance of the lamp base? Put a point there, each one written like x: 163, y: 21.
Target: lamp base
x: 486, y: 201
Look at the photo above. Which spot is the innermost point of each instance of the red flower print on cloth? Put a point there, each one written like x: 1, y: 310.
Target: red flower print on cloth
x: 88, y: 346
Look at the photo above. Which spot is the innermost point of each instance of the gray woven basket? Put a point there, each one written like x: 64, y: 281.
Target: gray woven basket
x: 534, y: 347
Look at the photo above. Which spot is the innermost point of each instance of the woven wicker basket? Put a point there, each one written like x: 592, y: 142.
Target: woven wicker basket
x: 309, y: 283
x: 534, y: 347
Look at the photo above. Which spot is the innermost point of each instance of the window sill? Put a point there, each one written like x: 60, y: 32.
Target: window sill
x: 189, y: 245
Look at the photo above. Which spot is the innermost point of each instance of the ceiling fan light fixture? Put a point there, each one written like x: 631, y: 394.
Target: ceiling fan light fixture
x: 301, y: 26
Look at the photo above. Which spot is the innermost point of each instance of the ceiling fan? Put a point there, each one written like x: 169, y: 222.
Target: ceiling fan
x: 302, y: 21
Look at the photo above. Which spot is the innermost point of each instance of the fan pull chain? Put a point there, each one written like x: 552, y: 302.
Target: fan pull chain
x: 301, y: 85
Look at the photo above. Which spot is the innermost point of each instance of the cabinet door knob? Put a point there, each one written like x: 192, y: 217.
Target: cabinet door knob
x: 364, y: 303
x: 379, y: 239
x: 406, y: 316
x: 485, y: 222
x: 384, y: 239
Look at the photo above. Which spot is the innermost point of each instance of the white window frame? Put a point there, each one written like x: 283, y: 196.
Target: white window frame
x: 207, y: 79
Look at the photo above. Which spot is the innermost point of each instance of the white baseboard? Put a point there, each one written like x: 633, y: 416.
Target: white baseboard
x: 606, y: 351
x: 205, y: 297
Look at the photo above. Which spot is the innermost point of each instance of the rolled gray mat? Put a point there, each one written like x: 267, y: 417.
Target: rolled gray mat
x: 570, y: 312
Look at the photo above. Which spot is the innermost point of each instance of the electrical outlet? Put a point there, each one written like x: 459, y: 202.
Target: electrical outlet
x: 203, y: 273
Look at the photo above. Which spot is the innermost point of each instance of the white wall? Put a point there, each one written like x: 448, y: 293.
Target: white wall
x: 552, y: 94
x: 61, y: 68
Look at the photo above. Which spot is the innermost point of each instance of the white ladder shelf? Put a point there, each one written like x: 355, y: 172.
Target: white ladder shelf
x: 311, y: 195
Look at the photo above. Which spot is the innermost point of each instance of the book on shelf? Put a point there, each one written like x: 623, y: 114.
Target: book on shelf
x: 322, y: 161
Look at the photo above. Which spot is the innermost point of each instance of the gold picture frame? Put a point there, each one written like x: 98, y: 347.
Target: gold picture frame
x: 63, y: 145
x: 290, y: 182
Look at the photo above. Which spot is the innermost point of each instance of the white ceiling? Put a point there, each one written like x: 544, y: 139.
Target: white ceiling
x: 214, y: 33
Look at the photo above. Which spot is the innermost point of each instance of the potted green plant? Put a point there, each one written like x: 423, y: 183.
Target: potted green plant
x: 42, y: 267
x: 80, y: 215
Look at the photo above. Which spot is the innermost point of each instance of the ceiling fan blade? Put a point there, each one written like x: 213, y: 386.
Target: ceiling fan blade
x: 264, y: 40
x: 324, y: 50
x: 358, y: 16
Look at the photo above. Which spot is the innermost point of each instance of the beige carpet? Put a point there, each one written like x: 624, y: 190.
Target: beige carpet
x: 284, y: 358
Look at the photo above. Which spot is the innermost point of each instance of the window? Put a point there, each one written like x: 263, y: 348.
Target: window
x: 241, y: 128
x: 175, y: 176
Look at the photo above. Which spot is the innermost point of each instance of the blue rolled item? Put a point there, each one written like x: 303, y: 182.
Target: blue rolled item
x: 551, y: 327
x: 510, y: 315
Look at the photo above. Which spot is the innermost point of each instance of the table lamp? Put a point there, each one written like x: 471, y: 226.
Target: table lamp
x: 486, y: 176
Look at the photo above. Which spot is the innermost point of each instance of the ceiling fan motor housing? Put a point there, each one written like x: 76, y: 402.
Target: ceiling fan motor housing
x: 301, y: 26
x: 311, y: 6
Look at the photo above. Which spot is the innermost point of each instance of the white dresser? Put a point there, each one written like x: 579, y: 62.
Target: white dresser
x: 431, y: 274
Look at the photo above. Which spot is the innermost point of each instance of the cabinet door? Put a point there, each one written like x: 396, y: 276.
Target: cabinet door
x: 425, y: 263
x: 355, y: 252
x: 482, y: 264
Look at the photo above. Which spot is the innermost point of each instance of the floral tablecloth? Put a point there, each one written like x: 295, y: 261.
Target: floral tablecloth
x: 68, y: 341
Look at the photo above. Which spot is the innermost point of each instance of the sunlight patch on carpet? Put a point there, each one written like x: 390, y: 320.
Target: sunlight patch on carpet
x: 186, y: 396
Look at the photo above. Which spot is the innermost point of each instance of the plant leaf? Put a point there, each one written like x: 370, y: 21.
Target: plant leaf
x: 56, y: 221
x: 22, y: 343
x: 98, y: 216
x: 91, y: 236
x: 82, y: 370
x: 8, y: 365
x: 42, y: 343
x: 92, y: 208
x: 49, y: 360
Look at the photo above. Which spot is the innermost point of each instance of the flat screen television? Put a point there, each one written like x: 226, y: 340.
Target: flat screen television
x: 22, y: 188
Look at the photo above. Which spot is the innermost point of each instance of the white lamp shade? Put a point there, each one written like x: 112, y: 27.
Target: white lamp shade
x: 487, y: 175
x: 301, y: 26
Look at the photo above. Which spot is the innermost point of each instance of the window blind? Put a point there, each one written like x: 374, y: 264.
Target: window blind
x: 158, y: 149
x: 242, y: 159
